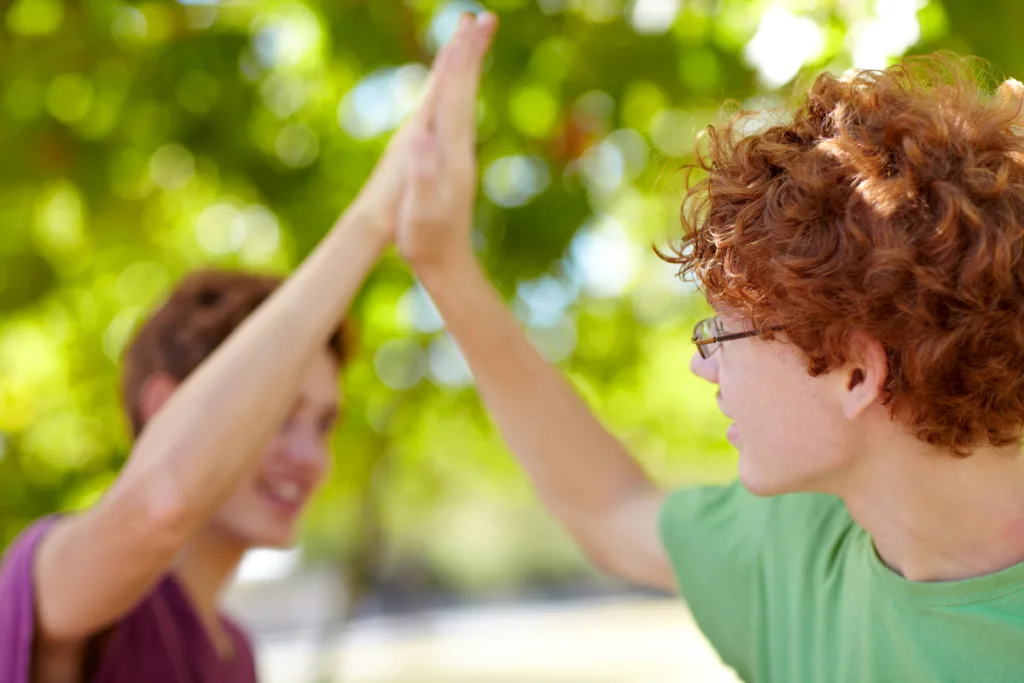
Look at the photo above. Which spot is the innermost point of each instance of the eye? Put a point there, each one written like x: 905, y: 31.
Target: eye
x: 328, y: 422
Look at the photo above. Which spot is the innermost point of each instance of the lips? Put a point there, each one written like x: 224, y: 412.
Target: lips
x: 287, y: 496
x: 733, y: 432
x: 718, y: 398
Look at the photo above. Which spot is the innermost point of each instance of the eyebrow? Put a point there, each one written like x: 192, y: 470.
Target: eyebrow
x: 331, y: 408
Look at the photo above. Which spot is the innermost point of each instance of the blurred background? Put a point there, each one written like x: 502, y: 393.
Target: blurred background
x: 139, y: 140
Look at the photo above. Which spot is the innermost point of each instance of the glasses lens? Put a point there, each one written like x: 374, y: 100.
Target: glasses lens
x: 706, y: 329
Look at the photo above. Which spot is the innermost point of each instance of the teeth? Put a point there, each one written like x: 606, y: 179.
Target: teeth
x: 288, y: 491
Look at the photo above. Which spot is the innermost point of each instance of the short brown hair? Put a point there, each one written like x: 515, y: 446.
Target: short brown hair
x: 892, y: 204
x: 200, y: 313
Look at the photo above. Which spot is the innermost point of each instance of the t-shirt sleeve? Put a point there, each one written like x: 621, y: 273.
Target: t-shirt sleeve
x: 17, y: 604
x: 714, y: 537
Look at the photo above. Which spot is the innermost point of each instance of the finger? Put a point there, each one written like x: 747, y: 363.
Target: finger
x: 425, y: 164
x: 456, y: 105
x: 488, y: 24
x: 439, y: 72
x: 420, y: 198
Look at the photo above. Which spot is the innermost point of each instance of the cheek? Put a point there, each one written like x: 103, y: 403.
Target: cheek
x: 326, y: 466
x: 780, y: 409
x: 798, y: 443
x: 305, y: 451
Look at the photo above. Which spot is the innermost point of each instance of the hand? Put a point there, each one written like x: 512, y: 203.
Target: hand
x: 377, y: 204
x: 436, y: 208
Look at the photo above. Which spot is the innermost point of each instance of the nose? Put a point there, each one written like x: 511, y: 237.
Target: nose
x: 306, y: 450
x: 705, y: 368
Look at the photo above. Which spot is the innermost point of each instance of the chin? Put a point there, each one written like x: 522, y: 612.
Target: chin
x: 759, y: 487
x: 286, y: 542
x: 761, y: 482
x: 252, y: 534
x: 783, y: 478
x: 279, y: 538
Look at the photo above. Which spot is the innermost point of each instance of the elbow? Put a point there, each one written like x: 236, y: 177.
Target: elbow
x: 624, y: 544
x: 166, y: 515
x: 592, y: 537
x: 632, y: 566
x: 156, y: 512
x: 151, y: 492
x: 600, y: 555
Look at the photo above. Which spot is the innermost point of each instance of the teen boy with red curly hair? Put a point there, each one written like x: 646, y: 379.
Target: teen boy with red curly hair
x: 866, y: 265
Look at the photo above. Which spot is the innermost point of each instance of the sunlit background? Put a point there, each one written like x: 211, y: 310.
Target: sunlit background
x: 139, y: 140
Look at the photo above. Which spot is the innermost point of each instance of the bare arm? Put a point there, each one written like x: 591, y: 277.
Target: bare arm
x: 581, y: 472
x: 93, y: 567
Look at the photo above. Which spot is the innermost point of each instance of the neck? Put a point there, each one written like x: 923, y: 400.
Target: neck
x: 203, y: 567
x: 937, y: 517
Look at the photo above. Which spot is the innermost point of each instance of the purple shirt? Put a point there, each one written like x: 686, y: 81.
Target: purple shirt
x: 161, y: 640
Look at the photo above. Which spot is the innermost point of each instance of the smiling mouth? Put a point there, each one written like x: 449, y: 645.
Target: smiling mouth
x: 287, y: 497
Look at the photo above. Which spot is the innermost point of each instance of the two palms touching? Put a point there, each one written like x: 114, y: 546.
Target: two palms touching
x: 421, y: 193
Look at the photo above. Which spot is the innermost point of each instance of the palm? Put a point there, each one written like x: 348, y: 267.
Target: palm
x: 382, y: 192
x: 436, y: 206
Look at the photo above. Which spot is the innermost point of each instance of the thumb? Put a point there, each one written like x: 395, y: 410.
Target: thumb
x: 421, y: 198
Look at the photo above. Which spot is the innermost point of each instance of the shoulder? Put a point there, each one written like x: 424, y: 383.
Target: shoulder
x: 26, y: 542
x: 733, y: 499
x: 727, y: 512
x: 809, y: 511
x: 17, y: 563
x: 18, y: 601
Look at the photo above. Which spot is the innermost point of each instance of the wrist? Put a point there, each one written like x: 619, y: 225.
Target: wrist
x: 371, y: 220
x: 445, y: 268
x: 356, y: 240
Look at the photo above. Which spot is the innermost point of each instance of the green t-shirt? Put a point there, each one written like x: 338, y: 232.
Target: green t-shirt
x: 790, y: 590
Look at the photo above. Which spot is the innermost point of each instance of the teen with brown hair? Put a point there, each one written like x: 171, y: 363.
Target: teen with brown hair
x: 232, y: 391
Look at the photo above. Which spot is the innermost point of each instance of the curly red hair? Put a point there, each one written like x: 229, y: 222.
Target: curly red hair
x: 892, y: 204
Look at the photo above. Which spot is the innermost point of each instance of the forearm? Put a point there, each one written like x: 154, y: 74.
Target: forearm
x: 211, y: 431
x: 581, y: 472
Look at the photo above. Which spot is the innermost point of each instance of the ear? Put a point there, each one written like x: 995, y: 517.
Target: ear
x: 864, y: 375
x: 157, y: 388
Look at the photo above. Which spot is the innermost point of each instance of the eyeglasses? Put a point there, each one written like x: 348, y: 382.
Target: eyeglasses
x: 709, y: 334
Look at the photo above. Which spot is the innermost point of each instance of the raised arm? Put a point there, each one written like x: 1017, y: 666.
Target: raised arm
x: 581, y: 472
x: 93, y: 567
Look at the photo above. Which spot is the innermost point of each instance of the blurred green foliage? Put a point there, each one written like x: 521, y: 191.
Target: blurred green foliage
x: 139, y: 140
